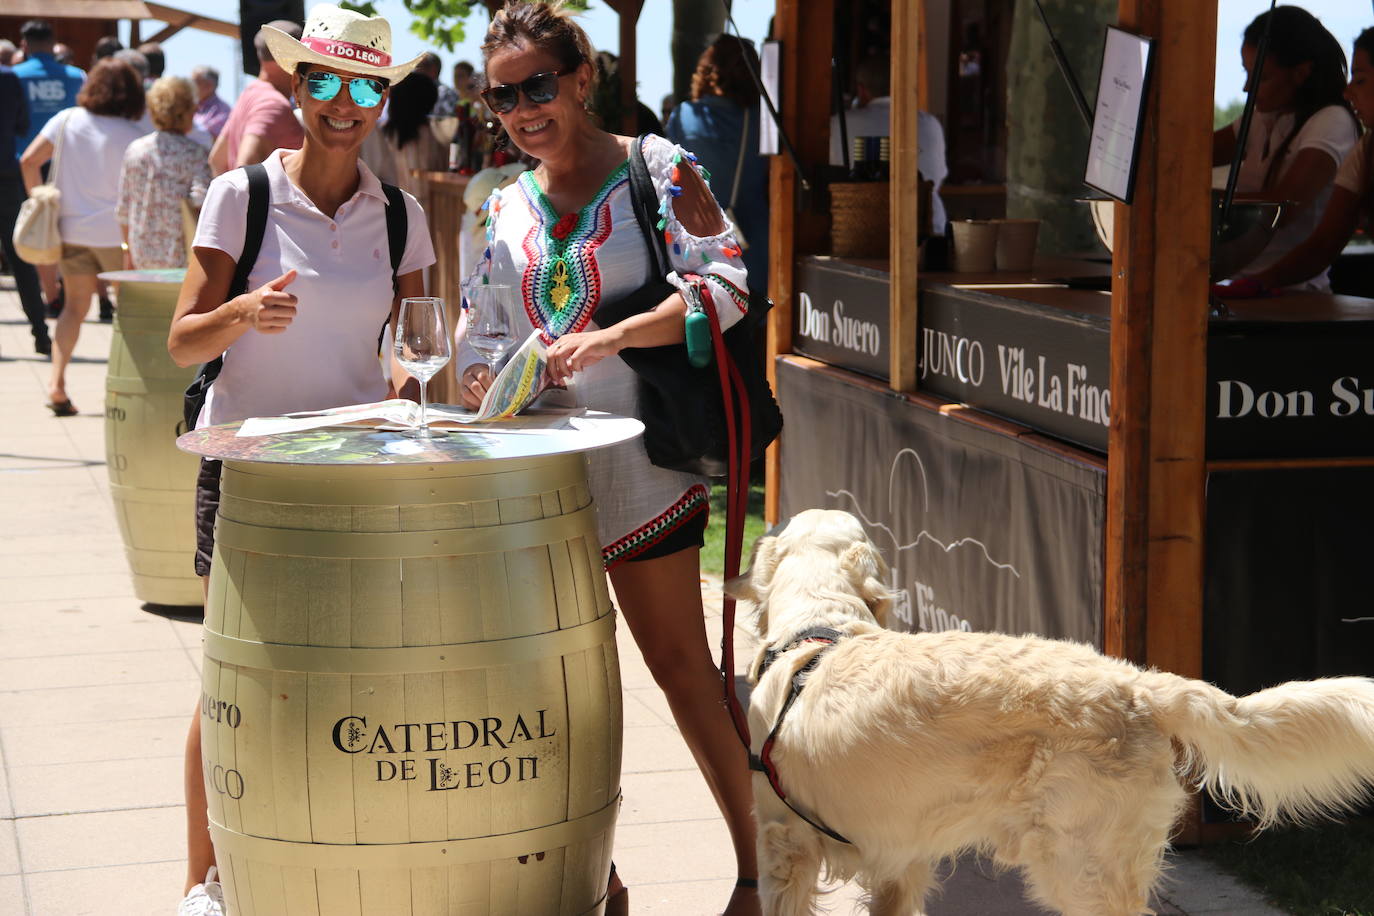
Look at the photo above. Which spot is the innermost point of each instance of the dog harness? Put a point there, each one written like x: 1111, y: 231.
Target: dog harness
x: 763, y: 763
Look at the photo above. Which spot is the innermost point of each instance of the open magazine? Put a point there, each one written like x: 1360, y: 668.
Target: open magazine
x: 517, y: 384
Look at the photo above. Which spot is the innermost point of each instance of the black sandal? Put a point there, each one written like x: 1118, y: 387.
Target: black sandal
x: 751, y: 884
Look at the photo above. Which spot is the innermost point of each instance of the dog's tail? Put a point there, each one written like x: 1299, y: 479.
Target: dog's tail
x: 1296, y: 752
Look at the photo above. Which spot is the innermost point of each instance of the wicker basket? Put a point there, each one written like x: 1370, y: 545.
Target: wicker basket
x: 860, y: 221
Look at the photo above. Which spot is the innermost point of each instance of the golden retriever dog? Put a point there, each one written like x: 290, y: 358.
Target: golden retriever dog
x: 1042, y: 754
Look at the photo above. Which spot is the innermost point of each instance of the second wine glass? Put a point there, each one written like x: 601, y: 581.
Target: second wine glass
x: 490, y: 330
x: 422, y: 345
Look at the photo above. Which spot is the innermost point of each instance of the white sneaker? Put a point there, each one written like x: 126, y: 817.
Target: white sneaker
x: 204, y: 899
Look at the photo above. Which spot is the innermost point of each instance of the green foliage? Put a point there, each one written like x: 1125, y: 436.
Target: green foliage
x: 1221, y: 116
x: 441, y: 22
x: 1321, y: 871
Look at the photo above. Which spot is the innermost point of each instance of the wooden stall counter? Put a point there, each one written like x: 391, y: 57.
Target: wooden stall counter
x: 998, y: 462
x: 1288, y: 377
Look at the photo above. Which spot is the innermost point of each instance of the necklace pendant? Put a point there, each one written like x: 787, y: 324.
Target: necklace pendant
x: 560, y: 292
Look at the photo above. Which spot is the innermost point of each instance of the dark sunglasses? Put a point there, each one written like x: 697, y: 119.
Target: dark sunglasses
x: 540, y: 89
x: 366, y: 91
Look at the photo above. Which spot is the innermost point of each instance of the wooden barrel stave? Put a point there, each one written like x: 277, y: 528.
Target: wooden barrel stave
x: 152, y: 483
x: 447, y: 600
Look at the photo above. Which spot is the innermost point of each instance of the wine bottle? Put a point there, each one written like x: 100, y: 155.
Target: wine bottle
x: 858, y: 165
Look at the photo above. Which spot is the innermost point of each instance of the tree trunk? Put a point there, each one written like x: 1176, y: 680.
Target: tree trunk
x: 696, y: 23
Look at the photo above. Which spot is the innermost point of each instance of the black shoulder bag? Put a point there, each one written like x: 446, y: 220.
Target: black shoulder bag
x: 688, y: 425
x: 259, y: 197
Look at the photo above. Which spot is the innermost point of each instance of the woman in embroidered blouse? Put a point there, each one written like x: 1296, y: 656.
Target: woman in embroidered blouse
x: 161, y: 170
x: 565, y: 234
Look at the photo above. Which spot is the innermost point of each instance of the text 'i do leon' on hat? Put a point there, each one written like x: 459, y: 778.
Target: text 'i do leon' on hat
x: 341, y: 39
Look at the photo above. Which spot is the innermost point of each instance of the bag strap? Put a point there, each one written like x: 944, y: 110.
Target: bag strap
x: 644, y: 202
x: 259, y: 198
x: 739, y: 161
x: 397, y: 225
x: 57, y: 147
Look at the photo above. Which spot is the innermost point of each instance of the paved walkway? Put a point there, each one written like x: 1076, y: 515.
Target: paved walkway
x: 95, y: 695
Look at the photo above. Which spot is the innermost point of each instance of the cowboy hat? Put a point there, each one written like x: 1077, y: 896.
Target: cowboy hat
x: 342, y: 39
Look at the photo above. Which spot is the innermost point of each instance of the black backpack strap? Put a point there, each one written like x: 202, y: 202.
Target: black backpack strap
x: 396, y: 229
x: 397, y: 225
x: 644, y: 200
x: 259, y: 199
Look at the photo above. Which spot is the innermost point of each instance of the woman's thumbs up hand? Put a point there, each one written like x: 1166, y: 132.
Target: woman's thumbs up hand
x: 269, y: 309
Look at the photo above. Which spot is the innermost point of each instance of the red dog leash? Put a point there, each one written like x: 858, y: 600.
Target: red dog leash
x: 736, y: 403
x: 738, y: 446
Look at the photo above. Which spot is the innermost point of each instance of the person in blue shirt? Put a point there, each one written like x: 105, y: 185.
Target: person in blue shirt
x: 49, y: 87
x: 14, y: 121
x: 721, y: 125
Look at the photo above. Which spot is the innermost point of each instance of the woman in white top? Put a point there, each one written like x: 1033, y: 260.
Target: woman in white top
x: 304, y: 336
x: 93, y: 138
x: 1354, y: 187
x: 1301, y: 129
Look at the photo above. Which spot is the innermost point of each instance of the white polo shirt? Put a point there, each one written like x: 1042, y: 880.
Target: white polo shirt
x: 327, y: 357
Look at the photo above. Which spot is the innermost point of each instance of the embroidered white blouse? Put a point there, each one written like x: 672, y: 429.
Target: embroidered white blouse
x: 563, y: 266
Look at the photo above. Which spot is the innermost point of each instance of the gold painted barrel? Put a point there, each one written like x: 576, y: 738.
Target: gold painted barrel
x: 411, y: 694
x: 152, y: 482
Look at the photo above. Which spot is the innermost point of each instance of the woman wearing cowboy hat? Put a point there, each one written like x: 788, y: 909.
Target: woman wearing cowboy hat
x: 304, y: 336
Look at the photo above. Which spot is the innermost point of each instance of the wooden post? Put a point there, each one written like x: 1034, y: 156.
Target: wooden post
x: 922, y: 56
x: 804, y: 29
x: 629, y: 94
x: 904, y: 194
x: 1156, y: 445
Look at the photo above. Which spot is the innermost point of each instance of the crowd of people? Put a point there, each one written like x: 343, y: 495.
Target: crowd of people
x: 128, y: 210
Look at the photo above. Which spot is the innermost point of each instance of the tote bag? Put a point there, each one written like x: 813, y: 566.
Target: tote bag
x: 36, y: 236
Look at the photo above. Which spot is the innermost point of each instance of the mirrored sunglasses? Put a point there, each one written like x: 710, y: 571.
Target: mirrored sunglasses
x: 365, y: 91
x: 539, y: 89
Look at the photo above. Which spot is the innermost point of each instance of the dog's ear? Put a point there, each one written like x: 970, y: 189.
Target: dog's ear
x: 752, y: 584
x: 866, y: 569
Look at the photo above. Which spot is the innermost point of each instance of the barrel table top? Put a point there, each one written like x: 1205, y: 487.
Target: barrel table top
x: 365, y: 445
x: 170, y: 275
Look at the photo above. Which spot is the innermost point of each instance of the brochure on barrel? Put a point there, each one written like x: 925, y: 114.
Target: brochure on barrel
x: 517, y: 384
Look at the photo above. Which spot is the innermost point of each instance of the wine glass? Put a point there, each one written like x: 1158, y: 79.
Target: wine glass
x: 422, y: 345
x: 490, y: 330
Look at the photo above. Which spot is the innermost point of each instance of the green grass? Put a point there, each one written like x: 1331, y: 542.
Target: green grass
x: 713, y: 554
x: 1321, y: 871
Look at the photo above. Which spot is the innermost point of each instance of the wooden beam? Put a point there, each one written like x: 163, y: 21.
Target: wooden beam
x: 184, y: 19
x: 76, y: 9
x: 1156, y: 453
x: 804, y: 29
x: 171, y: 30
x: 904, y: 191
